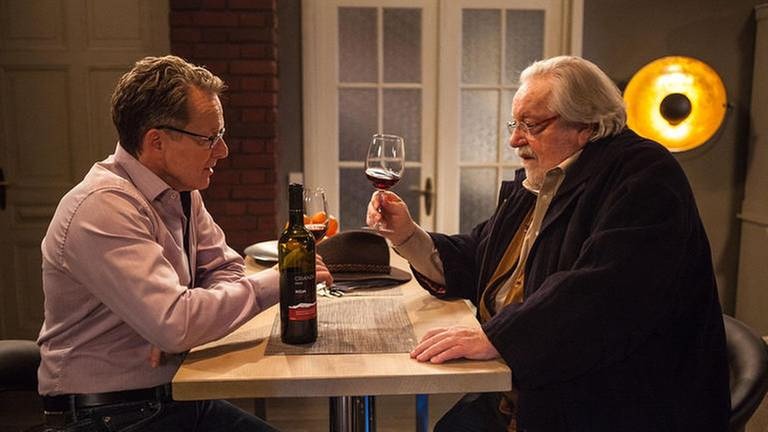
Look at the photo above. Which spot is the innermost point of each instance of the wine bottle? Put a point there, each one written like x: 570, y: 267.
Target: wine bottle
x: 296, y: 258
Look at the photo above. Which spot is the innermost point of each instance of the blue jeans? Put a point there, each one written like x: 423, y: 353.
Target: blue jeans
x: 166, y: 416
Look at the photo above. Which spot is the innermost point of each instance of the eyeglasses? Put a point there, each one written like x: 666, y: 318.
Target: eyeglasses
x: 530, y: 129
x: 210, y: 140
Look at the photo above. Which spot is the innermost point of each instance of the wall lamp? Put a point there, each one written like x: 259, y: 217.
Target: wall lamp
x: 678, y: 101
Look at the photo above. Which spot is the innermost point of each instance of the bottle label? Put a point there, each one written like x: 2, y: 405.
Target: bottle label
x: 302, y: 312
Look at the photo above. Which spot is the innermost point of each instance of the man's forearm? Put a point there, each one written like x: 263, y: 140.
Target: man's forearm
x: 420, y: 252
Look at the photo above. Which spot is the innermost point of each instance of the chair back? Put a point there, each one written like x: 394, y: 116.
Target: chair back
x: 19, y: 360
x: 748, y: 363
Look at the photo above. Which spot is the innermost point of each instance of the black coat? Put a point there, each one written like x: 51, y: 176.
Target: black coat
x: 621, y: 327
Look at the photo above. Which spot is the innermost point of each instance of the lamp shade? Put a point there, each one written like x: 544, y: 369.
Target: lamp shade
x: 677, y: 101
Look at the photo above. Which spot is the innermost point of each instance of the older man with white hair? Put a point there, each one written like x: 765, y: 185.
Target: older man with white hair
x: 593, y: 277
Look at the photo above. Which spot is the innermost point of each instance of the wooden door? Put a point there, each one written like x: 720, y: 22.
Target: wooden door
x: 59, y: 62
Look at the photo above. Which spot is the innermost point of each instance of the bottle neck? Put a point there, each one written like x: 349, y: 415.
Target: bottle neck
x: 296, y: 217
x: 296, y: 204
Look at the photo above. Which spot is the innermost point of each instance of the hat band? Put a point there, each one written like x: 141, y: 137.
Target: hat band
x: 358, y: 268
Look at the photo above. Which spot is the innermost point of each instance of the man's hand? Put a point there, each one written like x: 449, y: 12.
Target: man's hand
x: 389, y: 211
x: 443, y: 344
x: 156, y: 357
x: 321, y: 272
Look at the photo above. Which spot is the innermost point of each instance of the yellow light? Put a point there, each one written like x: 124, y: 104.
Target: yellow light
x: 666, y: 76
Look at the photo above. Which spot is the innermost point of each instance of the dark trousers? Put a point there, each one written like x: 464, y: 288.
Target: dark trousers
x: 475, y: 412
x: 165, y: 416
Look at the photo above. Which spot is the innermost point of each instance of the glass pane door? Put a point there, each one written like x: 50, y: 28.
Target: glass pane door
x: 495, y: 41
x: 379, y: 90
x: 496, y: 45
x: 377, y: 66
x: 378, y: 86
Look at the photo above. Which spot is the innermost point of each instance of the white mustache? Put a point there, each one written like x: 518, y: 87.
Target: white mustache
x: 525, y: 151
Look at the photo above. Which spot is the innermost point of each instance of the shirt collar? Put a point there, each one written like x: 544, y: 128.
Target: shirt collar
x: 147, y: 182
x: 559, y: 170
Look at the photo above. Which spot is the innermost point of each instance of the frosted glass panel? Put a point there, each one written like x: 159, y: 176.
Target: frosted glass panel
x: 509, y: 173
x: 357, y: 44
x: 507, y: 153
x: 404, y: 188
x: 481, y: 46
x: 357, y: 122
x: 353, y: 198
x: 478, y: 196
x: 524, y: 41
x: 479, y: 128
x: 356, y: 191
x: 402, y: 45
x: 402, y: 116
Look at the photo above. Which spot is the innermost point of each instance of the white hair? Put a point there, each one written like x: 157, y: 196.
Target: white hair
x: 581, y: 93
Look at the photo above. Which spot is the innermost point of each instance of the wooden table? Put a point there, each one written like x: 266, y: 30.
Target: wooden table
x: 236, y: 366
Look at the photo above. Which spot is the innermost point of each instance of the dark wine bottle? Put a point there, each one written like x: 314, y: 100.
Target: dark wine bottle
x: 296, y: 258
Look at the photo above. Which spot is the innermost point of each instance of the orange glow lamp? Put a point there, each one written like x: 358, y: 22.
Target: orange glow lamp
x: 678, y: 101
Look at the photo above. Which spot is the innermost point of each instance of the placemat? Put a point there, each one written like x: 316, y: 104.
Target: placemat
x: 345, y: 326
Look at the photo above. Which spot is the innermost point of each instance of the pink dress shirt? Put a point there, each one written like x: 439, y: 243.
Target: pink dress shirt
x: 117, y: 281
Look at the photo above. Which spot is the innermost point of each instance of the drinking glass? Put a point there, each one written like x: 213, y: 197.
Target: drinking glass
x: 385, y: 163
x: 316, y: 212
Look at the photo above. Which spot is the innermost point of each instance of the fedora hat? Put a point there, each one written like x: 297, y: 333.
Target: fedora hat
x: 360, y: 255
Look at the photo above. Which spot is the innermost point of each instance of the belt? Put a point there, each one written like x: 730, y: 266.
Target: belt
x: 73, y: 402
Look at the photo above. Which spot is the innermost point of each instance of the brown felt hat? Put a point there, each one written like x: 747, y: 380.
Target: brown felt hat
x: 360, y: 255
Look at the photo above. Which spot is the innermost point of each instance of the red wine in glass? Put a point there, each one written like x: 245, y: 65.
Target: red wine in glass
x: 382, y: 179
x: 317, y: 229
x: 384, y: 164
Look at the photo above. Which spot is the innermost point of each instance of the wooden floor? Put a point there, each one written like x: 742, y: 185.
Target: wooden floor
x: 21, y: 410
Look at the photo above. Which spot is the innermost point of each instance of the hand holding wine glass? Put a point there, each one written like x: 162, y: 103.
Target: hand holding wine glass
x: 385, y: 163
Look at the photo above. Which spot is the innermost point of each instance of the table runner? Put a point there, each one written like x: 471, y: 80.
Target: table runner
x: 344, y: 327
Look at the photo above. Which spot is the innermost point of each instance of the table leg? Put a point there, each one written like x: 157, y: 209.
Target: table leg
x: 352, y: 414
x: 422, y: 413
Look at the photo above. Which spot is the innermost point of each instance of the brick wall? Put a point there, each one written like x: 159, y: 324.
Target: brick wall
x: 237, y: 40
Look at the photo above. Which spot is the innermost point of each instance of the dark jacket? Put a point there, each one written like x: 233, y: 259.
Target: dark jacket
x: 621, y: 327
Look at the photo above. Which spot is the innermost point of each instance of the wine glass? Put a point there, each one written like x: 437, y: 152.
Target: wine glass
x: 385, y: 163
x: 316, y: 212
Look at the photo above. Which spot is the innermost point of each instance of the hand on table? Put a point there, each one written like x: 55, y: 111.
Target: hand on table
x: 443, y: 344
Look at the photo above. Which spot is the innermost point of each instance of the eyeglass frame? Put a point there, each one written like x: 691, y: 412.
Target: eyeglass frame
x: 527, y: 129
x: 212, y: 140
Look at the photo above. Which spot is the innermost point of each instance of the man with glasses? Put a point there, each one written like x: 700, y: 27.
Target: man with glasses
x: 135, y: 270
x: 593, y: 278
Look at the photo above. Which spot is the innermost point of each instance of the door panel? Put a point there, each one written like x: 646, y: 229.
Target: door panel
x: 369, y: 67
x: 491, y: 42
x: 59, y: 62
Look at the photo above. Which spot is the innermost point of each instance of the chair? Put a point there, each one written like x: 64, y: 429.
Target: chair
x: 19, y: 360
x: 748, y: 362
